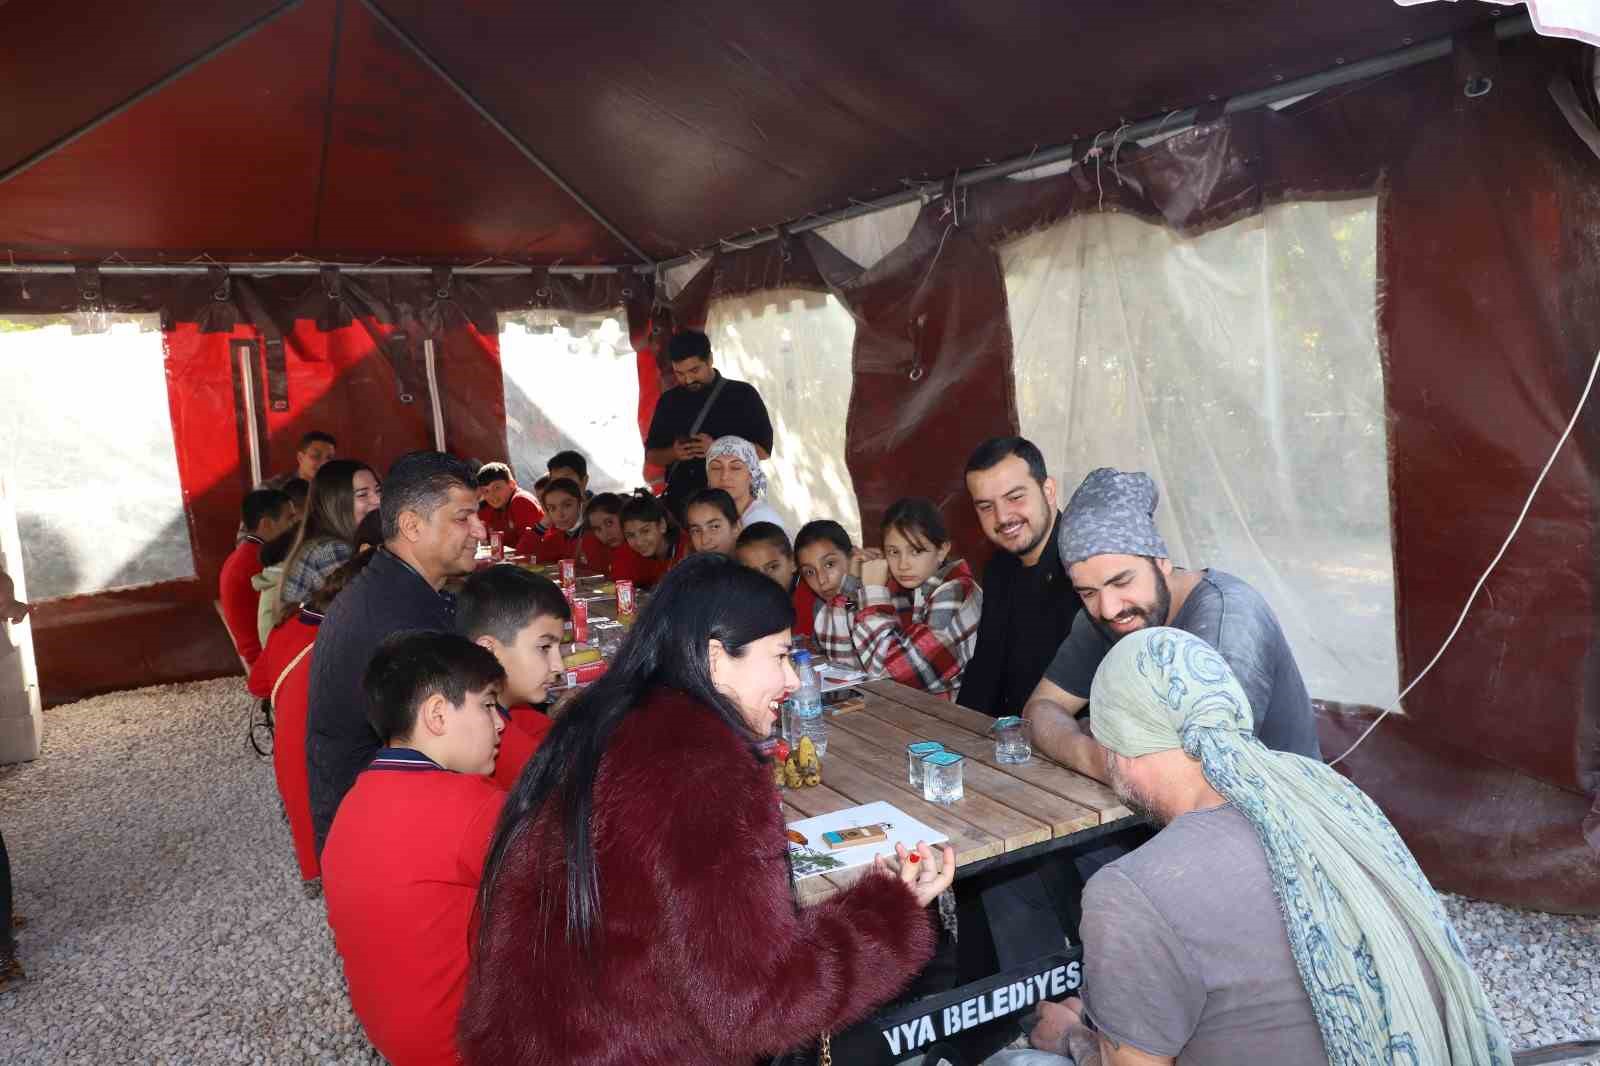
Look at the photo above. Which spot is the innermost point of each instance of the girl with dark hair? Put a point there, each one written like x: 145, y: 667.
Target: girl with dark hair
x: 654, y: 545
x: 636, y: 906
x: 343, y: 493
x: 602, y: 532
x: 712, y: 521
x: 920, y: 629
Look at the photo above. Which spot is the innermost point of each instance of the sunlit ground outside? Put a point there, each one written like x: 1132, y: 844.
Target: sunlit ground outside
x: 87, y: 454
x: 794, y: 346
x: 572, y: 382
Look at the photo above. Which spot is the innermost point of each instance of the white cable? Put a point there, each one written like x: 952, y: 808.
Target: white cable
x: 1515, y: 526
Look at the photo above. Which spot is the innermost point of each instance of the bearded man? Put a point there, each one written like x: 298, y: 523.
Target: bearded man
x: 1118, y: 567
x: 1276, y: 917
x: 1027, y: 607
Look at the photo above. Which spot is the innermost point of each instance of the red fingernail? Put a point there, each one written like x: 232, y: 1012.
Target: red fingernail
x: 915, y: 857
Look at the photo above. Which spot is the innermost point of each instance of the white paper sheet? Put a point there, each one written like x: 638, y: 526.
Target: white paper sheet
x: 814, y: 857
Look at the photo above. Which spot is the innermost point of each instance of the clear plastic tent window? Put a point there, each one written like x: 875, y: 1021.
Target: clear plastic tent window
x: 572, y: 381
x: 1241, y: 369
x: 87, y: 456
x: 795, y: 346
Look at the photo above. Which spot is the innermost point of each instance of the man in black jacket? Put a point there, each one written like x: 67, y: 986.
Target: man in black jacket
x: 431, y: 532
x: 1028, y: 604
x: 691, y: 416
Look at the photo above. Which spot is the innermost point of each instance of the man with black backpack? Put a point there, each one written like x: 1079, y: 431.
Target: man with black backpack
x: 702, y: 407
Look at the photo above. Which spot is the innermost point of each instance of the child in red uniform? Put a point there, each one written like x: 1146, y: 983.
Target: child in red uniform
x: 653, y: 545
x: 602, y: 535
x: 563, y: 508
x: 519, y: 616
x: 267, y: 513
x: 407, y: 847
x: 506, y: 507
x: 831, y: 566
x: 572, y: 466
x: 283, y: 675
x: 764, y: 546
x: 712, y: 521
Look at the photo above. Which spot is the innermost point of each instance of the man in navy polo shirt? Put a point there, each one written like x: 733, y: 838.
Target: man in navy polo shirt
x: 431, y: 533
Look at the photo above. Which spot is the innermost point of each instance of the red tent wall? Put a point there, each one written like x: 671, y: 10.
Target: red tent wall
x: 1488, y: 317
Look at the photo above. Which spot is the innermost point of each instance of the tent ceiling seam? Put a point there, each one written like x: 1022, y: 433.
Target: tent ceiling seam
x: 501, y: 128
x: 1169, y: 121
x: 29, y: 162
x: 1344, y: 74
x: 327, y: 121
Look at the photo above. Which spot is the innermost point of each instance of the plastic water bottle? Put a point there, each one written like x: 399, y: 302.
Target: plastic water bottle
x: 806, y: 718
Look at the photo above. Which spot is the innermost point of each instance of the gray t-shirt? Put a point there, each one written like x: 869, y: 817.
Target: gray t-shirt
x: 1185, y: 952
x: 1233, y: 618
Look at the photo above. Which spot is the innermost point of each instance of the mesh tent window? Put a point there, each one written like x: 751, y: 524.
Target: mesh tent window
x: 794, y: 346
x: 87, y: 454
x: 571, y: 381
x: 1241, y: 369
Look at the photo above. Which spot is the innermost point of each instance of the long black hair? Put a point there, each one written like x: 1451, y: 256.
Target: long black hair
x: 704, y: 598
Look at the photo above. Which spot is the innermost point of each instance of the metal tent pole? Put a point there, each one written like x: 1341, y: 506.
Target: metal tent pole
x: 500, y: 127
x: 265, y: 269
x: 1505, y: 28
x: 1437, y: 48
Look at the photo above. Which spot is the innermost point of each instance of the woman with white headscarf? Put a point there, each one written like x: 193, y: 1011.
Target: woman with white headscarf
x: 1386, y: 977
x: 733, y: 466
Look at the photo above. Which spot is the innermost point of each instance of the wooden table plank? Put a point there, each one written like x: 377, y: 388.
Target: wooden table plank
x: 1016, y: 829
x: 863, y: 785
x: 818, y: 799
x: 972, y: 721
x: 991, y: 779
x: 1039, y: 771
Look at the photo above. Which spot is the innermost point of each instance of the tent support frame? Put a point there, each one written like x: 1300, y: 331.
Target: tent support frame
x: 27, y: 164
x: 500, y: 127
x: 1173, y: 122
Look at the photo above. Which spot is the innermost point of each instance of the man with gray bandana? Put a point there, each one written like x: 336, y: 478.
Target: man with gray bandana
x: 1118, y: 564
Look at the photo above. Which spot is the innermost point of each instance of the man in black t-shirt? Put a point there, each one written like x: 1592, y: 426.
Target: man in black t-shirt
x: 1028, y: 607
x: 702, y: 407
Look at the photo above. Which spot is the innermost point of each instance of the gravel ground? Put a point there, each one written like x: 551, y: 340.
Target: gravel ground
x: 166, y: 923
x: 165, y: 918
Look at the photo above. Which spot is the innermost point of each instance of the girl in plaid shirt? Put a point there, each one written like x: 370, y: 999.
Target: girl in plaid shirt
x: 921, y: 629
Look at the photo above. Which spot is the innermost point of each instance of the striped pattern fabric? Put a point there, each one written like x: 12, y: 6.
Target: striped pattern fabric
x: 923, y: 639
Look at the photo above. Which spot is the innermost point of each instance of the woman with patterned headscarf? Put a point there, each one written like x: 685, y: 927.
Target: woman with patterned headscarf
x: 1277, y: 917
x: 733, y: 466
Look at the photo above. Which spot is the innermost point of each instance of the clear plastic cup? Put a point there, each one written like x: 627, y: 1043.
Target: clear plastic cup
x: 942, y: 777
x: 915, y: 753
x: 1013, y: 739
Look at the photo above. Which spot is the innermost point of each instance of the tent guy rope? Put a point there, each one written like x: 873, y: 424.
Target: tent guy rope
x: 1473, y: 595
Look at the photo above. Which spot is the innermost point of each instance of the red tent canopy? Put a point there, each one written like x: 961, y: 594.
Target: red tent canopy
x: 322, y: 131
x: 625, y: 134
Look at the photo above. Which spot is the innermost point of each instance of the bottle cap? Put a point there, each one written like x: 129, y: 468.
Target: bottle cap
x: 801, y: 656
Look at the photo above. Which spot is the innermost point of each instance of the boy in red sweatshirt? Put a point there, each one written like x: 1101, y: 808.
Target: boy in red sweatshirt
x: 267, y: 513
x: 405, y: 853
x: 519, y: 617
x: 506, y: 507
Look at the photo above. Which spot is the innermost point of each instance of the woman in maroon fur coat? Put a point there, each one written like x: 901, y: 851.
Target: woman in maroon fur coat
x: 637, y: 907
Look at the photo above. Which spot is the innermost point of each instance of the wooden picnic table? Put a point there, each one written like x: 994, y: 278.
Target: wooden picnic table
x: 1006, y: 807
